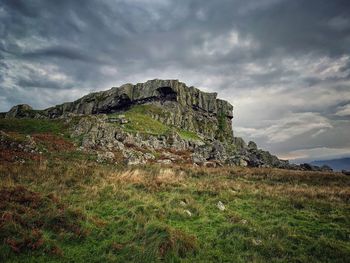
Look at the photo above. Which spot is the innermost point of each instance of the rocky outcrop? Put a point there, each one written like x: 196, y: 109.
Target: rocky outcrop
x: 19, y: 111
x: 184, y: 107
x: 206, y: 121
x: 117, y: 99
x: 250, y: 155
x: 96, y: 133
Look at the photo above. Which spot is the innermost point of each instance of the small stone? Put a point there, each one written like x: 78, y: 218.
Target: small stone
x: 182, y: 203
x: 149, y: 156
x: 243, y: 163
x: 243, y: 221
x: 104, y: 156
x: 188, y: 212
x: 257, y: 242
x: 165, y: 161
x: 221, y: 206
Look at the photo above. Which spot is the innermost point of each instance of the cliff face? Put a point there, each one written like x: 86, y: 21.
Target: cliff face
x: 119, y: 98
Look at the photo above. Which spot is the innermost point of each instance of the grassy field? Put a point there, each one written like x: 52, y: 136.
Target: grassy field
x: 60, y: 205
x: 75, y: 210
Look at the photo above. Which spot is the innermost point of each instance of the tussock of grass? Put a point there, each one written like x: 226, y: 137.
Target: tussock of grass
x: 167, y: 243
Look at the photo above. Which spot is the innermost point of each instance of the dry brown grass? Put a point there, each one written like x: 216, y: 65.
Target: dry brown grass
x: 62, y: 177
x: 156, y: 179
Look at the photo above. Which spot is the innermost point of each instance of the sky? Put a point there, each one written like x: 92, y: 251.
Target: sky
x: 283, y: 64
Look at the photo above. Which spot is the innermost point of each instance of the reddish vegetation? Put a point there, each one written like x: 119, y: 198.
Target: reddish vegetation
x: 53, y: 142
x: 25, y: 214
x: 7, y: 155
x: 14, y: 146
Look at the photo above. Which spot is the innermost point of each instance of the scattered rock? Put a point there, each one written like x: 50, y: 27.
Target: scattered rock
x: 182, y: 203
x: 243, y: 221
x: 118, y: 119
x: 105, y: 157
x: 256, y: 242
x: 188, y: 212
x: 149, y: 156
x: 165, y: 161
x: 134, y: 158
x: 221, y: 206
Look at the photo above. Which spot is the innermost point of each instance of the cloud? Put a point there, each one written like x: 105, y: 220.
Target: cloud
x: 316, y: 153
x: 343, y: 110
x: 285, y: 65
x: 59, y: 52
x: 292, y: 125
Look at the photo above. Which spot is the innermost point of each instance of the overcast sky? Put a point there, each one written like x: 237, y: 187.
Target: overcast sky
x: 283, y: 64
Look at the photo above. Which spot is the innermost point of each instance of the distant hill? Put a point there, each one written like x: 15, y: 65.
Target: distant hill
x: 336, y: 164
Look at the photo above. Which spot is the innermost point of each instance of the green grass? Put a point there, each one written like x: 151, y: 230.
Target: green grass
x: 149, y: 109
x: 30, y: 126
x: 138, y: 214
x: 189, y: 136
x: 155, y: 214
x: 140, y: 120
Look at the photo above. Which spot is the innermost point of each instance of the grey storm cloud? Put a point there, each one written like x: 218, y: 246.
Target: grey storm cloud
x: 285, y: 65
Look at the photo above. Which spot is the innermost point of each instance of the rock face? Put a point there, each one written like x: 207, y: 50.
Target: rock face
x: 184, y: 107
x: 194, y: 126
x: 19, y: 111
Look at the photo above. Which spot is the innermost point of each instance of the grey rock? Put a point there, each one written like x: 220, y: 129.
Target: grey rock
x: 221, y: 206
x: 20, y: 111
x: 105, y: 157
x: 165, y: 161
x: 149, y: 156
x: 252, y: 146
x: 182, y: 203
x: 188, y: 212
